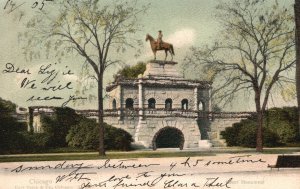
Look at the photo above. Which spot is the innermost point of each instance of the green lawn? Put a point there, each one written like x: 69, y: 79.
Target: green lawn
x: 137, y: 154
x: 94, y: 155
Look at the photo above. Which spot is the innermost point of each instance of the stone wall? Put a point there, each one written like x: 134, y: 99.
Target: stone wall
x: 129, y: 124
x: 160, y: 96
x: 216, y: 127
x: 115, y: 95
x: 197, y: 132
x: 144, y: 131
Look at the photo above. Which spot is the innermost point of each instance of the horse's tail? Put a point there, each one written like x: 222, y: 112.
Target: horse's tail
x: 172, y: 50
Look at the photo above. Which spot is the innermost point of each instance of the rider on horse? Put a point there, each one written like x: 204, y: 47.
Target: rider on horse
x: 159, y: 45
x: 159, y: 39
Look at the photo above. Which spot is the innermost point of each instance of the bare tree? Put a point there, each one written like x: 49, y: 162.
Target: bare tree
x: 297, y: 22
x: 254, y: 53
x: 91, y: 29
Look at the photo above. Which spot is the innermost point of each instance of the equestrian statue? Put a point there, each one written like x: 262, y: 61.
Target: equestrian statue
x: 159, y: 45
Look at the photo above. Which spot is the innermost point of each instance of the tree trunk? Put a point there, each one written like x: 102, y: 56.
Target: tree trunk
x: 259, y: 134
x: 100, y: 115
x: 297, y: 21
x: 260, y: 120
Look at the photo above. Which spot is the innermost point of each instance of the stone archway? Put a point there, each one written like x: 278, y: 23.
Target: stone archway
x: 163, y: 131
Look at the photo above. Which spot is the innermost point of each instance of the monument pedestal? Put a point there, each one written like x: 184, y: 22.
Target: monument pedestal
x: 162, y: 69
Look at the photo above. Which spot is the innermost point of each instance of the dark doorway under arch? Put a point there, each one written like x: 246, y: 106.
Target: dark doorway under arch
x: 185, y: 104
x: 114, y: 104
x: 129, y: 103
x: 151, y: 103
x: 168, y: 104
x: 168, y: 137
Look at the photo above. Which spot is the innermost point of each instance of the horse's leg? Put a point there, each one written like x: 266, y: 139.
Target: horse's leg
x: 171, y: 54
x: 154, y: 52
x: 166, y: 52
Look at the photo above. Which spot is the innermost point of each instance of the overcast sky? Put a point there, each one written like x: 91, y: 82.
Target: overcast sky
x: 184, y: 23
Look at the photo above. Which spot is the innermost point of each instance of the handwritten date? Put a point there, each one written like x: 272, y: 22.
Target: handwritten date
x: 12, y: 5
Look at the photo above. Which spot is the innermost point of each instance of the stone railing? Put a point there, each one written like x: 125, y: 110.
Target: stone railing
x: 150, y: 113
x: 171, y: 113
x: 161, y: 113
x: 20, y: 117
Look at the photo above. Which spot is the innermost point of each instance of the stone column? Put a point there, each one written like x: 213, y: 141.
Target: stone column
x: 196, y: 99
x: 141, y: 98
x: 120, y: 112
x: 141, y: 122
x: 209, y: 108
x: 30, y: 120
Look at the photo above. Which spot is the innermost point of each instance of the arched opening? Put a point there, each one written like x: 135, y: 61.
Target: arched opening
x: 114, y: 104
x: 201, y: 106
x: 168, y: 137
x: 129, y: 103
x: 184, y: 104
x: 168, y: 104
x: 151, y: 103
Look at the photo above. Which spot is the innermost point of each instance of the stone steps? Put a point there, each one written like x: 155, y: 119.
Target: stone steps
x: 218, y: 143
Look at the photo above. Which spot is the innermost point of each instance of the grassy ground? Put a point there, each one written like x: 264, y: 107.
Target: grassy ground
x: 139, y: 154
x: 94, y: 155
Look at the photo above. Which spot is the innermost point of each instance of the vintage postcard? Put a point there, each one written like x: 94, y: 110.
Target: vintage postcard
x: 149, y: 94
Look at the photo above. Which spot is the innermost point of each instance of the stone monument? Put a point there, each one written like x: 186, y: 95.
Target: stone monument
x: 158, y: 100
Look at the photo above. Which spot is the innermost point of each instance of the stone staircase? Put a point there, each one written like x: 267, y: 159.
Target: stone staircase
x: 218, y: 143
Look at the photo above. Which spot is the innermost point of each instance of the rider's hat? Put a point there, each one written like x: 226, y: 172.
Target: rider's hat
x: 159, y: 30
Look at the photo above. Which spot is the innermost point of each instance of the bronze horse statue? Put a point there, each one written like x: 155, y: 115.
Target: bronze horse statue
x: 167, y: 47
